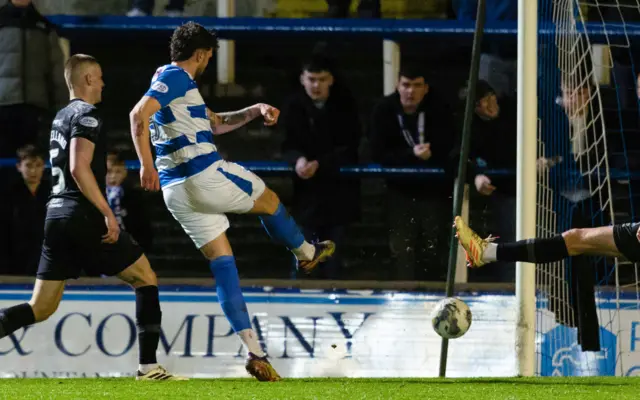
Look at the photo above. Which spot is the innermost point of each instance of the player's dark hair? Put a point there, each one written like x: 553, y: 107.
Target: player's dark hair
x: 28, y: 151
x: 73, y: 63
x: 483, y: 89
x: 115, y: 157
x: 412, y: 71
x: 188, y: 38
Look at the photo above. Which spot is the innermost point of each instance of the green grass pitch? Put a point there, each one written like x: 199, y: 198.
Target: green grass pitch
x: 342, y: 389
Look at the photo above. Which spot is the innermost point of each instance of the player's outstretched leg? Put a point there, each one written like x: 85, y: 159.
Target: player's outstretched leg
x: 44, y: 302
x: 148, y: 319
x: 590, y: 241
x: 283, y: 229
x: 223, y: 267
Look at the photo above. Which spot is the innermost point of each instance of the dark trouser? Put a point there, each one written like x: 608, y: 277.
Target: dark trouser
x: 624, y: 80
x: 494, y: 215
x: 331, y: 268
x: 147, y: 5
x: 366, y: 8
x: 19, y: 125
x: 419, y: 235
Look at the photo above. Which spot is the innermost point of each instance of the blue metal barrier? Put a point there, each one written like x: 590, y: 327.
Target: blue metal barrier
x: 387, y: 28
x: 281, y: 168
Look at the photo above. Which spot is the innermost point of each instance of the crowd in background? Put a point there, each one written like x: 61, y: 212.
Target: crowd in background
x: 414, y: 126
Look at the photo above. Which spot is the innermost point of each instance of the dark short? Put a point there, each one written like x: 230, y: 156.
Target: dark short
x: 626, y: 240
x: 74, y: 244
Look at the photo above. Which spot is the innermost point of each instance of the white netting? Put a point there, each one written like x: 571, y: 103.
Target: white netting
x: 576, y: 96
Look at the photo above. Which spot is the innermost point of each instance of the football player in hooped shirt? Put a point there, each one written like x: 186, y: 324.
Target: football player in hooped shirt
x: 199, y: 187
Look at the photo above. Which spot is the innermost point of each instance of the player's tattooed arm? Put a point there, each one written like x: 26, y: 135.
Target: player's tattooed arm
x: 228, y: 121
x: 139, y: 119
x: 239, y: 117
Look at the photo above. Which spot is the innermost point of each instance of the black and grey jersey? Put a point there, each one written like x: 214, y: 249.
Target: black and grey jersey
x: 77, y: 120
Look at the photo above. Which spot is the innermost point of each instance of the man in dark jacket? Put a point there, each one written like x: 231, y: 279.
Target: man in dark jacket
x: 493, y: 146
x: 322, y: 134
x: 22, y: 214
x: 413, y: 127
x: 31, y: 74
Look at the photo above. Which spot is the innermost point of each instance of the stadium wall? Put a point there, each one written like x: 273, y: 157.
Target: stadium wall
x: 306, y: 332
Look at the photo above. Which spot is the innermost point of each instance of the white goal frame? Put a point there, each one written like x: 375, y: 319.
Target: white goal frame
x: 526, y: 182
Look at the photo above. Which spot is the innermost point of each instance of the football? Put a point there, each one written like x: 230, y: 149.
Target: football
x: 451, y: 318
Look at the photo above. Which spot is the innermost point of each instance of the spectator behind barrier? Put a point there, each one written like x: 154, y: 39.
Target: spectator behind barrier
x: 493, y: 146
x: 413, y: 127
x: 625, y: 56
x: 31, y: 78
x: 143, y: 8
x: 498, y: 60
x: 322, y: 134
x: 22, y: 213
x: 127, y: 202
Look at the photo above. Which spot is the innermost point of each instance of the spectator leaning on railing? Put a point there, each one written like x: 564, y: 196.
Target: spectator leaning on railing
x: 322, y: 134
x: 493, y: 146
x: 413, y: 127
x: 31, y: 77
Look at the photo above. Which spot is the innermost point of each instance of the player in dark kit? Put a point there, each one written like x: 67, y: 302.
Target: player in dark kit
x: 75, y: 236
x: 621, y: 240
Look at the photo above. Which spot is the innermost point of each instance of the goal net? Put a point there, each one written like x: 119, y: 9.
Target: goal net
x: 586, y: 110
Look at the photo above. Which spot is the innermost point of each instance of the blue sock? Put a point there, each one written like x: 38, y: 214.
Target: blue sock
x: 229, y: 293
x: 282, y: 228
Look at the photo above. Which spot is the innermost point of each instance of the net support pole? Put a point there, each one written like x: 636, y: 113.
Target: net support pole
x: 526, y: 181
x: 458, y: 191
x: 461, y: 263
x: 390, y: 66
x: 225, y: 55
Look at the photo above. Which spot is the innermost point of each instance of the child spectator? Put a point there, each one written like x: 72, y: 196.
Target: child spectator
x: 127, y: 202
x: 22, y: 211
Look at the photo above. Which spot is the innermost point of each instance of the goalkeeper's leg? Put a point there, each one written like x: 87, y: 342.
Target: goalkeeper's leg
x: 613, y: 241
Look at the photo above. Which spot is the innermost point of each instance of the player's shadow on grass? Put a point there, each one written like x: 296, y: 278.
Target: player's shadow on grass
x: 574, y: 381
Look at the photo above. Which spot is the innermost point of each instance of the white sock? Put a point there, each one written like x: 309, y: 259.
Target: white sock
x: 145, y: 368
x: 250, y: 340
x: 489, y: 254
x: 305, y: 252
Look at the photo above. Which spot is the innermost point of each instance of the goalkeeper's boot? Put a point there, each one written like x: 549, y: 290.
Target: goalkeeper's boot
x: 324, y: 250
x: 261, y: 369
x: 159, y: 373
x: 472, y: 244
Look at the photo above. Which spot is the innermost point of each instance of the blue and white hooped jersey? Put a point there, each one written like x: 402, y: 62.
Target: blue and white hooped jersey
x: 181, y: 131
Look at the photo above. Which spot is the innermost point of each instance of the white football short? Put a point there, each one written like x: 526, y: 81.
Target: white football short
x: 200, y: 202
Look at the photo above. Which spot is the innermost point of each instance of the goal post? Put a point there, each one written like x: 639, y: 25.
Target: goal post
x: 574, y: 317
x: 526, y: 181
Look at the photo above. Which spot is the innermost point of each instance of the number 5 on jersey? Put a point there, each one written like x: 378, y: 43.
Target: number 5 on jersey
x: 56, y: 173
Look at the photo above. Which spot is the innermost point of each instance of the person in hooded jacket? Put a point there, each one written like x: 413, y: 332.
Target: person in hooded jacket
x: 32, y: 83
x: 322, y: 134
